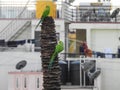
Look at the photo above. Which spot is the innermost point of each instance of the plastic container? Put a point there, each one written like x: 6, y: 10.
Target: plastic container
x: 64, y: 71
x: 75, y: 72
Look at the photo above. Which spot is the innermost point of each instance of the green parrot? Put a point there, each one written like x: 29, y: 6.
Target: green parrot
x: 44, y: 15
x: 58, y: 48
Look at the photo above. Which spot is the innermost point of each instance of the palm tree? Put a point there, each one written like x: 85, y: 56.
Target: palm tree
x: 48, y: 40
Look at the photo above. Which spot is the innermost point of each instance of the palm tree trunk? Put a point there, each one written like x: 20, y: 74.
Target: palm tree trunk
x: 48, y: 40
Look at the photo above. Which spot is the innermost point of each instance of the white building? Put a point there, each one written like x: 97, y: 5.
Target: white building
x: 100, y: 36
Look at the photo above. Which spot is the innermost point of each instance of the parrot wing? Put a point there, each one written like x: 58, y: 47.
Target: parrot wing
x: 59, y: 47
x: 44, y: 15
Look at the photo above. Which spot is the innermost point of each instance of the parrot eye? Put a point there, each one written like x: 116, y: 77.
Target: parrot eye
x: 47, y: 6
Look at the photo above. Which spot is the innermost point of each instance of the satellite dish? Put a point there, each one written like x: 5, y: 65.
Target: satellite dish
x: 21, y: 65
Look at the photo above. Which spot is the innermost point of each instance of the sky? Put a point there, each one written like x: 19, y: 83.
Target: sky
x: 114, y: 2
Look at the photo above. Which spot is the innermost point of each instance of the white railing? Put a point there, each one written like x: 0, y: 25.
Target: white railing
x: 17, y: 9
x: 86, y: 13
x: 15, y: 25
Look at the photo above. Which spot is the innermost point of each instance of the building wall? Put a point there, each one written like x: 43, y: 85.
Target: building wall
x: 10, y: 59
x: 12, y: 26
x: 29, y: 32
x: 96, y: 33
x: 3, y: 24
x: 102, y: 39
x: 110, y: 72
x: 109, y: 77
x: 26, y: 34
x: 40, y: 6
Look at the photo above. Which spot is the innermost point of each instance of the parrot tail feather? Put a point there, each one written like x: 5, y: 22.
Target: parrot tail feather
x: 38, y: 24
x: 52, y: 60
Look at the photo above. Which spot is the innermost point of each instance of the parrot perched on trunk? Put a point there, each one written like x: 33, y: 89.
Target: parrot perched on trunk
x: 44, y: 15
x: 58, y: 48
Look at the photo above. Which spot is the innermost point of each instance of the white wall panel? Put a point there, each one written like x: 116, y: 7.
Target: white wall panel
x: 102, y: 39
x: 110, y: 69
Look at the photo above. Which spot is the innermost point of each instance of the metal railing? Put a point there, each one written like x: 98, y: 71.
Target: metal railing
x: 12, y: 28
x: 63, y: 56
x: 64, y: 11
x: 15, y: 25
x: 11, y: 10
x: 89, y: 13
